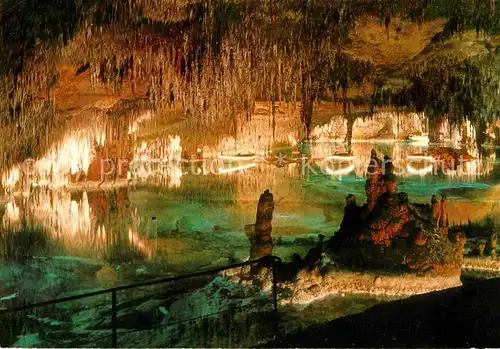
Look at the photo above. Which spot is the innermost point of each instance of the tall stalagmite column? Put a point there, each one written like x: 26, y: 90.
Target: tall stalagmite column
x: 374, y: 181
x: 265, y: 209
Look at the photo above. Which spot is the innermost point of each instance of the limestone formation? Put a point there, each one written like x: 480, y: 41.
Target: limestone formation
x: 389, y: 232
x: 260, y: 236
x: 482, y: 238
x: 380, y: 180
x: 374, y: 181
x: 493, y: 244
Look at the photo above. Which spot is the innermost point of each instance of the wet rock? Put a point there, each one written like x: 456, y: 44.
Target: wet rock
x: 62, y: 338
x: 251, y: 291
x: 246, y: 282
x: 435, y: 208
x: 218, y: 229
x: 222, y: 261
x: 83, y: 303
x: 49, y: 323
x: 266, y: 285
x: 420, y: 239
x: 9, y: 297
x: 250, y: 231
x: 374, y: 186
x: 315, y: 289
x: 211, y: 299
x: 315, y: 256
x: 443, y: 219
x: 163, y: 310
x: 390, y: 233
x: 141, y: 271
x: 150, y: 305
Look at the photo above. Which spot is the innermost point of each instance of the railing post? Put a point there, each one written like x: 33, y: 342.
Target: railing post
x: 275, y: 286
x: 114, y: 323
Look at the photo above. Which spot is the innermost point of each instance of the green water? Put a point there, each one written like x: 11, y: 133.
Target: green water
x: 148, y: 229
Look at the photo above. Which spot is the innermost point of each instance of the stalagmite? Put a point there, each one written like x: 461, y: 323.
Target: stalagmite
x: 373, y: 181
x: 493, y: 244
x: 435, y: 208
x: 262, y: 241
x: 396, y: 232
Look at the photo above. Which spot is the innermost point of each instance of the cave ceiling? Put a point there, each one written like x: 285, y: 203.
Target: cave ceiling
x: 212, y: 60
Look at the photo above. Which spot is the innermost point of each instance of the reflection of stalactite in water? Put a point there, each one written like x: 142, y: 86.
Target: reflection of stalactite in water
x: 141, y: 244
x: 94, y: 224
x: 158, y: 162
x: 65, y: 219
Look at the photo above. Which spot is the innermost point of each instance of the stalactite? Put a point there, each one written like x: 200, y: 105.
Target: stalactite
x: 215, y: 58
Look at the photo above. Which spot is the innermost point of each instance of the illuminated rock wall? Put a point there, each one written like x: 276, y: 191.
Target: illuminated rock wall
x: 114, y: 150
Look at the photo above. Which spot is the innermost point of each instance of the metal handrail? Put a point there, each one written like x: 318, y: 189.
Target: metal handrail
x: 273, y: 261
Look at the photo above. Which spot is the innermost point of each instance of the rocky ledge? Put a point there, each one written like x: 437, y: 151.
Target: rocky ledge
x: 388, y: 245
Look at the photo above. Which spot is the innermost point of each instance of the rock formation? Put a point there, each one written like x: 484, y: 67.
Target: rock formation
x: 493, y: 244
x: 260, y: 233
x: 481, y: 239
x: 387, y: 246
x: 449, y: 158
x: 390, y: 233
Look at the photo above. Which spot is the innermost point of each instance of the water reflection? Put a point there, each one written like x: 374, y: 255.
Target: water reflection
x: 86, y: 224
x: 209, y: 195
x: 405, y: 162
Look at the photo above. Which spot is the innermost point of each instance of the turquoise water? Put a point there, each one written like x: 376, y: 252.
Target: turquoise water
x: 150, y: 228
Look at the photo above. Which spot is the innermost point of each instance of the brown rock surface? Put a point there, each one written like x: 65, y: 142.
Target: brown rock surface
x: 260, y: 234
x: 265, y: 208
